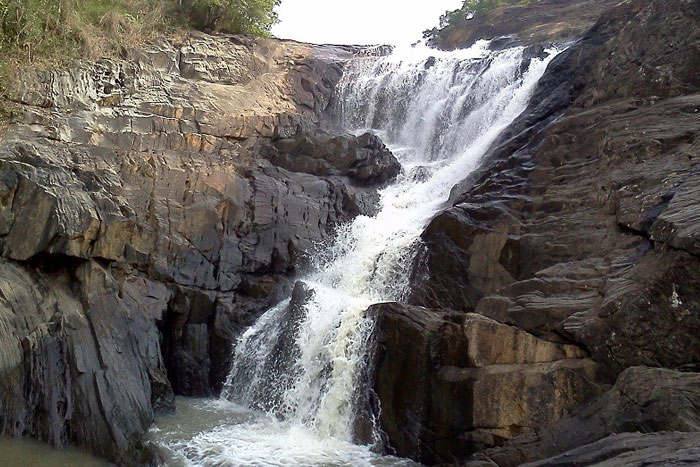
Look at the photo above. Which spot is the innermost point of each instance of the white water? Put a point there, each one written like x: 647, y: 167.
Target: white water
x: 297, y: 368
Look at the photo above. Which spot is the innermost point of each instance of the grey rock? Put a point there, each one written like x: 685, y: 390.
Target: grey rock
x: 634, y: 450
x: 581, y: 226
x: 365, y: 160
x: 526, y: 24
x: 78, y: 363
x: 645, y: 400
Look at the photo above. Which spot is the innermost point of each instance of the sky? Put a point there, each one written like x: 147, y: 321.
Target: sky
x: 359, y: 21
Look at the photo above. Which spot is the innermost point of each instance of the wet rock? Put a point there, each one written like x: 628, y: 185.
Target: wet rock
x: 77, y: 355
x: 527, y: 24
x: 575, y: 238
x: 365, y: 159
x: 449, y: 384
x: 237, y: 311
x: 186, y: 341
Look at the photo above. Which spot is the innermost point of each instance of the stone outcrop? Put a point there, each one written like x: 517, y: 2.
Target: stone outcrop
x: 365, y: 160
x: 530, y: 23
x: 580, y: 229
x: 80, y: 356
x: 142, y: 228
x: 451, y: 383
x: 558, y: 233
x: 645, y: 400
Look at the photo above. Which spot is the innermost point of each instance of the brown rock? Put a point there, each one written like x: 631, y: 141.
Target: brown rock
x: 449, y: 384
x: 647, y: 400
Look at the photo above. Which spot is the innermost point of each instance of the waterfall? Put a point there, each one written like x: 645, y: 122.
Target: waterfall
x: 299, y: 364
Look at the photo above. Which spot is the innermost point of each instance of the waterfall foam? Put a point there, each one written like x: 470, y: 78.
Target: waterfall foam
x: 298, y: 366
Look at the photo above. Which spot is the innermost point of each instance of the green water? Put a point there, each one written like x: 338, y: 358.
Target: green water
x: 29, y: 453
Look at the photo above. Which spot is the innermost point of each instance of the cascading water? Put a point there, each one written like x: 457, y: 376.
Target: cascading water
x: 296, y: 370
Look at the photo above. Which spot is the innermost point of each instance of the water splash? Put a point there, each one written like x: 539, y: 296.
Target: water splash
x: 439, y: 112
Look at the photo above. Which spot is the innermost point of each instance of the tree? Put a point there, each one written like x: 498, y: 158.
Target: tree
x: 235, y: 16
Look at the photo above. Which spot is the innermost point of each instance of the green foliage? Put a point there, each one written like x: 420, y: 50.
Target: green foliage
x: 32, y: 25
x: 236, y: 16
x: 7, y: 108
x: 36, y: 28
x: 477, y: 7
x: 58, y: 28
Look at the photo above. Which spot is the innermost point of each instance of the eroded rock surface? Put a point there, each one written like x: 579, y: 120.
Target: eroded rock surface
x: 141, y: 228
x: 365, y: 160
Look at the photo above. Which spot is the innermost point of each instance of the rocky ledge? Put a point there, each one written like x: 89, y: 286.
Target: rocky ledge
x: 151, y: 207
x: 531, y: 23
x: 568, y: 263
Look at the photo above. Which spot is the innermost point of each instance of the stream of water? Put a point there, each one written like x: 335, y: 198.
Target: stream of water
x: 290, y: 397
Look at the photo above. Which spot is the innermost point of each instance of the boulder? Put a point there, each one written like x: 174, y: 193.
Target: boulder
x: 646, y: 400
x: 365, y: 159
x: 449, y: 384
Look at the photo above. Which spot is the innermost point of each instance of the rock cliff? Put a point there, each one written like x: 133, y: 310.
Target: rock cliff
x: 151, y: 207
x: 580, y: 231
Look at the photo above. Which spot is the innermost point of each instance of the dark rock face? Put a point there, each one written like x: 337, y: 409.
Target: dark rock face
x: 632, y: 450
x: 451, y: 383
x: 643, y: 399
x: 581, y: 229
x: 141, y: 229
x: 534, y: 23
x: 80, y: 356
x: 558, y: 236
x: 365, y: 160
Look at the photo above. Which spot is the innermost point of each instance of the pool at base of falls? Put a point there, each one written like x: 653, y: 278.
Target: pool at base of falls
x: 215, y: 432
x: 21, y: 452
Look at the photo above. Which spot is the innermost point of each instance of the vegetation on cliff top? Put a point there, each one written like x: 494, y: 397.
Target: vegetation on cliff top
x: 64, y: 28
x: 36, y: 31
x: 476, y: 7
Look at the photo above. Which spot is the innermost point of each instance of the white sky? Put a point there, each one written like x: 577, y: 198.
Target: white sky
x: 359, y: 21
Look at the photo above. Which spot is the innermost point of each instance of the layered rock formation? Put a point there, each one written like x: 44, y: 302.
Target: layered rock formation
x: 142, y: 227
x: 450, y: 383
x: 645, y: 400
x: 581, y: 229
